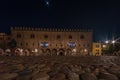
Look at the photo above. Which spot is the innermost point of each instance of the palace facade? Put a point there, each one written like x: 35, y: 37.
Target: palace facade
x: 53, y: 41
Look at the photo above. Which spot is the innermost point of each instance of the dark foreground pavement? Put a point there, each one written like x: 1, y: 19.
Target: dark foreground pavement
x: 59, y: 68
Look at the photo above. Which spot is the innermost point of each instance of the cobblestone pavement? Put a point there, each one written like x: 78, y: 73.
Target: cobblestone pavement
x: 59, y: 68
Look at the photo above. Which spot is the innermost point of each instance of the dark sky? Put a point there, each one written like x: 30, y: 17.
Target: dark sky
x: 103, y: 16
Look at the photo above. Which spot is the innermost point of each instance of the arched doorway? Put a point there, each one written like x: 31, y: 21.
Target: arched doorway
x: 26, y: 52
x: 54, y: 52
x: 68, y: 52
x: 48, y: 52
x: 17, y: 51
x: 61, y: 52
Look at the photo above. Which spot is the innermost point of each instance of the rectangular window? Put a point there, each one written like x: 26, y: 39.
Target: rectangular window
x: 44, y: 44
x: 1, y: 38
x: 21, y: 44
x: 97, y: 46
x: 71, y: 44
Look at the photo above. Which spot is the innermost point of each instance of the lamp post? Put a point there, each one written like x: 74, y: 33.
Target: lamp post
x: 112, y: 45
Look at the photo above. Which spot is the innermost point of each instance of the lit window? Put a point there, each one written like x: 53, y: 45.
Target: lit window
x: 44, y: 44
x: 71, y: 44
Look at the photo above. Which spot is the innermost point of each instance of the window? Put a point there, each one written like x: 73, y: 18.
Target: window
x: 97, y: 46
x: 45, y: 36
x: 82, y: 37
x: 21, y: 44
x: 32, y: 36
x: 8, y: 38
x: 83, y: 45
x: 71, y: 44
x: 88, y: 45
x: 38, y: 44
x: 26, y: 44
x: 1, y: 38
x: 70, y: 37
x: 58, y: 36
x: 19, y: 35
x: 61, y: 45
x: 33, y: 44
x: 44, y: 44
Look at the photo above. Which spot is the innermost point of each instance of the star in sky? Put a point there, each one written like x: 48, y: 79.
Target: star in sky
x: 47, y: 3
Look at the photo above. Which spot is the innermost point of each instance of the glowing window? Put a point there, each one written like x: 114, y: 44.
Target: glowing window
x: 71, y: 44
x: 44, y: 44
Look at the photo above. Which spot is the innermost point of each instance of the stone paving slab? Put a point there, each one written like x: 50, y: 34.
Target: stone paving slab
x: 59, y: 67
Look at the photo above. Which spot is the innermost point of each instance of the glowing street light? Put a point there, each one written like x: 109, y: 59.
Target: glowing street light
x: 104, y: 46
x: 113, y: 41
x: 107, y: 42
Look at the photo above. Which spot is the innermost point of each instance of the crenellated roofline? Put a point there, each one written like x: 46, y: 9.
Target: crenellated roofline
x: 51, y: 29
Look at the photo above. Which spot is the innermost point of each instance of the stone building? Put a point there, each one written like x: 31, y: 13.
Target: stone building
x: 97, y: 49
x: 53, y: 41
x: 4, y: 39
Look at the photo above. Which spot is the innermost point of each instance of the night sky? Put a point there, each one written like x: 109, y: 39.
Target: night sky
x: 103, y: 16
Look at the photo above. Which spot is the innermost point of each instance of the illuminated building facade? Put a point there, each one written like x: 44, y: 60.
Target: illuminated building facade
x: 97, y: 49
x: 54, y: 41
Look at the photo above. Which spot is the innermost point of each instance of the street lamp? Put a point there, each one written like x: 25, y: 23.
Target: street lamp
x: 113, y: 42
x: 107, y: 42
